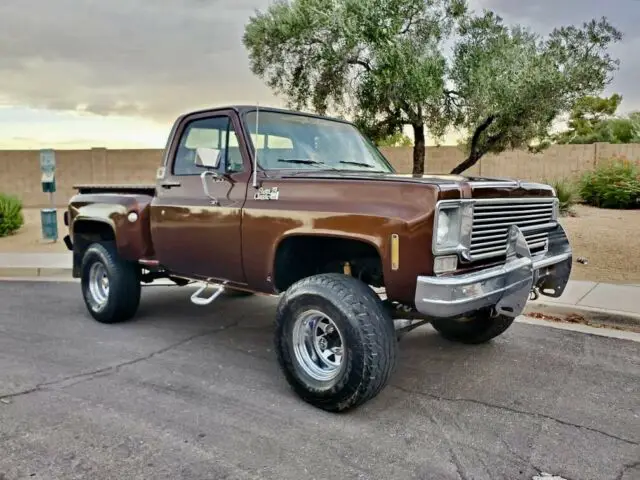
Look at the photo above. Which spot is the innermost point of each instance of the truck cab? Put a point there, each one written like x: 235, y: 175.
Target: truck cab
x: 305, y: 207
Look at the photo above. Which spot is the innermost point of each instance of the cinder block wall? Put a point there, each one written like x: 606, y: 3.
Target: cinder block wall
x: 20, y: 170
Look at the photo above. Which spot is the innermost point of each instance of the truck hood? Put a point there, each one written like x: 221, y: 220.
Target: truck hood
x: 467, y: 186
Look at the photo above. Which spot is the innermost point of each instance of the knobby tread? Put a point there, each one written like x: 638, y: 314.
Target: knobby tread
x: 358, y: 302
x: 124, y: 283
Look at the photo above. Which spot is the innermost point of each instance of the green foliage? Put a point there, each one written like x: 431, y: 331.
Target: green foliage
x: 593, y: 119
x: 566, y: 193
x: 613, y: 184
x: 380, y: 62
x: 514, y: 83
x: 397, y: 139
x: 383, y: 63
x: 11, y: 218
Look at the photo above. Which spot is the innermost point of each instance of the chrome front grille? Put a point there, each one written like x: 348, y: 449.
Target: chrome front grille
x: 492, y: 219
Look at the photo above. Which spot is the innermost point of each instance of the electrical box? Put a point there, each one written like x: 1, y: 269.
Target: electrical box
x: 49, y: 220
x: 48, y: 181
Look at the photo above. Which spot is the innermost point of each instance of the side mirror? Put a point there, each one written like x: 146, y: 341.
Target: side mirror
x: 209, y: 158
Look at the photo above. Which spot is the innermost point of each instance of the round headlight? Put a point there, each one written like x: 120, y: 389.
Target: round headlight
x: 443, y: 227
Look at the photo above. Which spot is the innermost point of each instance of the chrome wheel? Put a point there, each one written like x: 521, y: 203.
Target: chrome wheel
x: 318, y: 345
x: 98, y: 286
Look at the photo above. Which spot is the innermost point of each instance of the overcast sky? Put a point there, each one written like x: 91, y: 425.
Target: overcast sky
x: 132, y: 65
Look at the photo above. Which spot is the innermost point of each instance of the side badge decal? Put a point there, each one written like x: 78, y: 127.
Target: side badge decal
x: 267, y: 194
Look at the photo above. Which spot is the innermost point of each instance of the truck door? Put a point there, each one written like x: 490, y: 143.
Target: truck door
x: 193, y: 234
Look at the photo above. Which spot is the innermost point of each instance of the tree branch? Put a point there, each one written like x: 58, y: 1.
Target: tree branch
x: 409, y: 24
x: 362, y: 63
x: 474, y: 153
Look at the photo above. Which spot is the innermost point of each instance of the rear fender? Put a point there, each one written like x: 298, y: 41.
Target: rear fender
x: 127, y: 217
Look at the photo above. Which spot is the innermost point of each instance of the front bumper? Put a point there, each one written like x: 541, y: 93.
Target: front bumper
x: 505, y: 288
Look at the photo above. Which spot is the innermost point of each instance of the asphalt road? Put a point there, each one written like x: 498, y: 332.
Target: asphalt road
x: 190, y: 392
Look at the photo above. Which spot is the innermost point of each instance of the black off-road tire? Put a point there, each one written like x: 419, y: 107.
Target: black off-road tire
x: 369, y: 340
x: 123, y: 297
x: 480, y: 328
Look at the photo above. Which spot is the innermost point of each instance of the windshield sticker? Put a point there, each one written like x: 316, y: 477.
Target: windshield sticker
x: 267, y: 194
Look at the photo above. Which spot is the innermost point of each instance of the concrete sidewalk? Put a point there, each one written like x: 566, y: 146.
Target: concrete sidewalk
x: 620, y: 298
x: 592, y: 302
x: 35, y: 264
x: 35, y: 260
x: 617, y: 304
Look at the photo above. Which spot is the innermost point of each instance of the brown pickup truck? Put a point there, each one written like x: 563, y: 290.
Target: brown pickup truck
x: 269, y: 201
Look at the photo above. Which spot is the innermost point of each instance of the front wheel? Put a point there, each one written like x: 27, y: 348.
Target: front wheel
x: 479, y: 328
x: 334, y: 342
x: 110, y: 285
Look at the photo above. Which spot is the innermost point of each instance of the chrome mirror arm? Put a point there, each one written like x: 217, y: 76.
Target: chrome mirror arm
x: 205, y: 186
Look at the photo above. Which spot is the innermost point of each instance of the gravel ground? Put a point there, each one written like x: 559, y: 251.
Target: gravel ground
x: 608, y: 239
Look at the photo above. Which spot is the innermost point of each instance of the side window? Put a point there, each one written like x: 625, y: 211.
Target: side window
x: 213, y: 132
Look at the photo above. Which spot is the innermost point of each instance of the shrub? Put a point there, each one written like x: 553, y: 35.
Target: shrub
x: 566, y: 193
x: 11, y: 218
x: 614, y: 184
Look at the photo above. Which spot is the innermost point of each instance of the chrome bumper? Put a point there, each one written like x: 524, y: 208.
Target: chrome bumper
x: 506, y: 287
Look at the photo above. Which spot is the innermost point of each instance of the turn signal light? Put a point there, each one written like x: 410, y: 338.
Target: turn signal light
x: 445, y: 264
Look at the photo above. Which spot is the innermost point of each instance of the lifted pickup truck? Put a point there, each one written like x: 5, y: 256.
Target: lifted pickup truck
x: 270, y: 201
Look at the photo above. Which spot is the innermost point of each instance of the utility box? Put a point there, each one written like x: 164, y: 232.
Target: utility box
x: 48, y: 181
x: 48, y: 216
x: 49, y: 220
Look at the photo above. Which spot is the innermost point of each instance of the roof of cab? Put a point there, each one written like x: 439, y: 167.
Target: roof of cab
x: 242, y: 109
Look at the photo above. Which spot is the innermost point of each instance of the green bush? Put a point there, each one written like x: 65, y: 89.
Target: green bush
x: 566, y: 193
x: 614, y: 184
x: 11, y: 218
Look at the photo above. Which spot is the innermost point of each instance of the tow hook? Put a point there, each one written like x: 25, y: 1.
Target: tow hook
x: 534, y: 295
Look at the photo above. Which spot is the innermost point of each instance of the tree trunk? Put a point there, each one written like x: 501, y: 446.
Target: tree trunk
x: 418, y: 149
x: 475, y: 153
x: 469, y: 162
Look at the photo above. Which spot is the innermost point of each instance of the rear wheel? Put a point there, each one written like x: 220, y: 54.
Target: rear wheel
x: 335, y: 343
x: 480, y: 328
x: 110, y: 285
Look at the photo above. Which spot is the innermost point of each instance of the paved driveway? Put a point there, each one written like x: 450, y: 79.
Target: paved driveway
x: 191, y: 392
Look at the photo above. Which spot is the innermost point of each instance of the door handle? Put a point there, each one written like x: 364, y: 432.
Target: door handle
x: 170, y: 184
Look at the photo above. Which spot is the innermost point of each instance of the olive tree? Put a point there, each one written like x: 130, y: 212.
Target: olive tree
x: 379, y: 61
x: 511, y: 85
x: 383, y: 63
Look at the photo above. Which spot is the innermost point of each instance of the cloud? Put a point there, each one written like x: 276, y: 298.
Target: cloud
x: 151, y: 58
x: 157, y: 58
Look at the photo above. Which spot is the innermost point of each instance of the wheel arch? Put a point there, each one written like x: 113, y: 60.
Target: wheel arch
x: 301, y: 254
x: 86, y: 230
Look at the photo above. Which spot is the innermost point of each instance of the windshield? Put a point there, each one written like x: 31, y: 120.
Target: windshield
x: 291, y: 141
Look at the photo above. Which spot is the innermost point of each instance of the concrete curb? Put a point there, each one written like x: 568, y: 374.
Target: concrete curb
x: 33, y: 272
x: 595, y: 317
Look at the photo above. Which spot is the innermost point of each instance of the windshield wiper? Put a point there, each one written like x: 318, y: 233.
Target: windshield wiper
x: 360, y: 164
x: 306, y: 161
